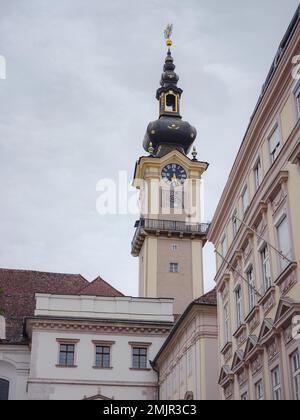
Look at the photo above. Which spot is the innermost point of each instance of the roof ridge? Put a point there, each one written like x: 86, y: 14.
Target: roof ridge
x: 22, y: 270
x: 104, y: 281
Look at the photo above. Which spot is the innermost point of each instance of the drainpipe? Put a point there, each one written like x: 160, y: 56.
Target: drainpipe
x: 157, y: 371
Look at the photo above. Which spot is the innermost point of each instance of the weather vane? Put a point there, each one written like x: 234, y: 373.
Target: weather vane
x: 168, y: 33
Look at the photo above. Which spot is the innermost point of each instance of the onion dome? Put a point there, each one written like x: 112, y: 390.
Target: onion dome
x: 169, y: 132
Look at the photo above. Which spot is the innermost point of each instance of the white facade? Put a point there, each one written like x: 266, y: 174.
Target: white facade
x: 121, y: 323
x: 14, y: 368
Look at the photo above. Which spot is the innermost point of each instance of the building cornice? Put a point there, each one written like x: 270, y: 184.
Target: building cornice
x: 275, y: 89
x: 114, y: 327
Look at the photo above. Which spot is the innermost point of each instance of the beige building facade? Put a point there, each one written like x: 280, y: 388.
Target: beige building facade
x: 256, y: 233
x: 187, y: 360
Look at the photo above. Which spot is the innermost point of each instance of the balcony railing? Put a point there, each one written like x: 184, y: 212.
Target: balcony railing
x: 169, y: 226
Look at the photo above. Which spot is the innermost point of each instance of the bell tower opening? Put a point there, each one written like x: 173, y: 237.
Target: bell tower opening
x: 171, y: 102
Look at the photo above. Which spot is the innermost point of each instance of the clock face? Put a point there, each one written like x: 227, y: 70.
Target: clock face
x: 174, y: 174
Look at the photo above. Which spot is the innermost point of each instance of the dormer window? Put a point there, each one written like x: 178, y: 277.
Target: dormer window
x: 171, y: 102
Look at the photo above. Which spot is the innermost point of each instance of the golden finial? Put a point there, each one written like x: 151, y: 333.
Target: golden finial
x: 168, y: 33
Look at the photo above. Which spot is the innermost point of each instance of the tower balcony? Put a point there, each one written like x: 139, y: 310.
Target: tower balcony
x: 170, y: 228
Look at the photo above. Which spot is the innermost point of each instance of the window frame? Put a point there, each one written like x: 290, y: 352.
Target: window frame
x: 259, y: 385
x: 67, y: 342
x: 235, y: 223
x: 258, y: 175
x: 251, y: 288
x: 245, y: 203
x: 276, y: 386
x: 226, y: 322
x: 103, y: 344
x: 173, y: 268
x: 140, y: 346
x: 296, y: 94
x: 283, y: 263
x: 274, y: 153
x: 295, y: 375
x: 224, y: 245
x: 238, y: 305
x: 266, y: 263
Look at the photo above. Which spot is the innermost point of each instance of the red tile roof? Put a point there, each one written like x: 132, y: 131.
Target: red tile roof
x: 209, y: 298
x: 20, y: 286
x: 100, y: 287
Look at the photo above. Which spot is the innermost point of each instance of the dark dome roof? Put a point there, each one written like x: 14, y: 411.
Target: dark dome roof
x: 170, y: 131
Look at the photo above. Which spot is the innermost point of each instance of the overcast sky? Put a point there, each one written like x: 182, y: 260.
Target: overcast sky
x: 79, y: 93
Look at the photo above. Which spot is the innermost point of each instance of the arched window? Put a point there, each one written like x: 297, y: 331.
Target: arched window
x: 171, y: 102
x: 4, y: 389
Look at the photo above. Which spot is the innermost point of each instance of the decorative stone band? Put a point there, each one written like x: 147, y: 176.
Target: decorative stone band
x: 268, y: 300
x: 287, y: 279
x: 97, y: 327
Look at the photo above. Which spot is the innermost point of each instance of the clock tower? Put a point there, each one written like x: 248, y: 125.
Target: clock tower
x: 169, y: 236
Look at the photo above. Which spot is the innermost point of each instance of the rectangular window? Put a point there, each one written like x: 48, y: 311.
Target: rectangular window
x: 297, y: 98
x: 66, y: 354
x: 245, y: 200
x: 224, y: 246
x: 257, y: 175
x: 174, y: 268
x: 266, y: 269
x: 276, y: 385
x: 259, y: 390
x: 234, y: 223
x: 251, y: 289
x: 274, y: 144
x: 174, y: 247
x: 284, y: 242
x: 102, y: 357
x: 295, y: 367
x: 139, y: 357
x: 238, y: 303
x: 226, y: 323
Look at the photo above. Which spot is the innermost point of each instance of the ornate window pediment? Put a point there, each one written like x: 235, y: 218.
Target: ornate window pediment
x: 238, y: 361
x: 286, y: 309
x: 252, y: 347
x: 226, y: 376
x: 295, y: 156
x: 267, y: 331
x: 98, y: 397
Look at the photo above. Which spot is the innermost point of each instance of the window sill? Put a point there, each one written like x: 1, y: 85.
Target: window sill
x: 140, y: 369
x: 66, y: 366
x: 102, y: 368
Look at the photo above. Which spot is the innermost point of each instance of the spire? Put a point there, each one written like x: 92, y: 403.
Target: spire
x: 169, y: 78
x: 169, y: 132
